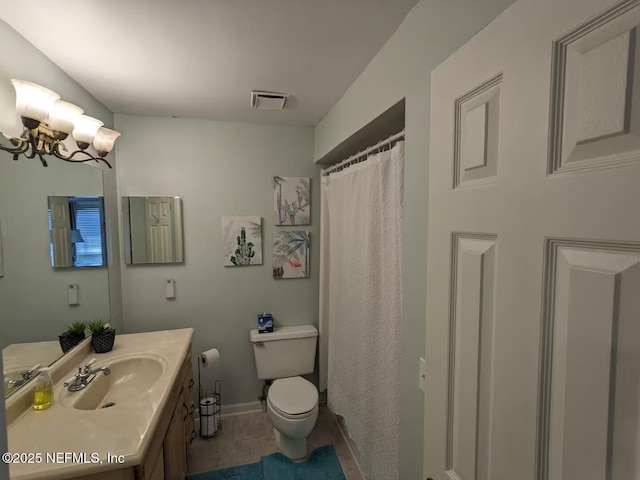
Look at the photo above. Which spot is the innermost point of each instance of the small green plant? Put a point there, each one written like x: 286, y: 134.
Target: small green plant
x: 100, y: 327
x: 73, y: 335
x: 102, y: 336
x: 76, y: 329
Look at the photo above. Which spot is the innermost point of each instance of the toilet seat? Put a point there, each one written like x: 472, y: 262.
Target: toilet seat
x: 293, y: 397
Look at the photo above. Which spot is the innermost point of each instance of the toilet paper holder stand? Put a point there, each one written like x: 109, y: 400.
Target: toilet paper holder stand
x: 209, y: 403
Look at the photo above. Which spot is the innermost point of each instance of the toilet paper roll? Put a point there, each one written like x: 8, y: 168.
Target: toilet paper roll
x: 208, y: 426
x: 210, y: 358
x: 208, y: 406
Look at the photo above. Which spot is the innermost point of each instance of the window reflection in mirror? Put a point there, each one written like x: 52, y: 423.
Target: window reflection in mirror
x: 77, y: 233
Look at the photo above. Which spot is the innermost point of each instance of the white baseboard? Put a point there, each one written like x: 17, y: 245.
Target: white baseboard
x: 233, y: 410
x: 240, y: 408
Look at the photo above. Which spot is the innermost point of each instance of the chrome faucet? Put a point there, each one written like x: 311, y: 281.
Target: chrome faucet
x: 26, y: 376
x: 84, y: 376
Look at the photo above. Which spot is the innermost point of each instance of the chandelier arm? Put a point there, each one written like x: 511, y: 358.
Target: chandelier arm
x: 31, y: 146
x: 22, y: 147
x: 44, y: 162
x: 31, y: 150
x: 57, y: 154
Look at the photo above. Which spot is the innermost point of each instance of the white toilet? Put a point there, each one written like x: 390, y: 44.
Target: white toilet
x: 292, y: 401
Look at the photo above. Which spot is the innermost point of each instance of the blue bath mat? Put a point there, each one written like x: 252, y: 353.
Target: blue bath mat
x: 253, y: 471
x: 322, y: 464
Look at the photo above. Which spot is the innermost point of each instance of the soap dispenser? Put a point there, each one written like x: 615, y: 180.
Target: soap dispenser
x: 43, y: 396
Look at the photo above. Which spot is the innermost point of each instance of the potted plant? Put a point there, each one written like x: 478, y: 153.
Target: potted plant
x: 102, y: 336
x: 73, y: 335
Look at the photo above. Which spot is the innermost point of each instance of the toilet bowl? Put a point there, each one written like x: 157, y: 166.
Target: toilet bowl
x: 292, y: 407
x: 282, y: 356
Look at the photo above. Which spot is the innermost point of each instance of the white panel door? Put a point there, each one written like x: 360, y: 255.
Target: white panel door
x: 60, y: 231
x: 533, y: 289
x: 159, y: 229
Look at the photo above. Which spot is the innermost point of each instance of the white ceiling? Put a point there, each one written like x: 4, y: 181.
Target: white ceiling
x: 201, y: 58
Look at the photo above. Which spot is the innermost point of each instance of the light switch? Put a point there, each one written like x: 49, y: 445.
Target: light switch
x: 422, y: 373
x: 73, y: 294
x: 170, y: 289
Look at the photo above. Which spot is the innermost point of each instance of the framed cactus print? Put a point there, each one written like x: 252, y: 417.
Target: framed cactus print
x: 242, y: 241
x: 291, y: 255
x: 292, y: 200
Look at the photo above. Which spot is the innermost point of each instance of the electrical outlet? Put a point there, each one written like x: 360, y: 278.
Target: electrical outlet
x: 422, y: 374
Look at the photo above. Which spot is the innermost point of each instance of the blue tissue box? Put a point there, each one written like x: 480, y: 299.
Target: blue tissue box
x: 265, y: 323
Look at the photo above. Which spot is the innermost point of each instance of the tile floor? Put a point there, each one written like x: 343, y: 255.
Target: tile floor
x: 248, y: 437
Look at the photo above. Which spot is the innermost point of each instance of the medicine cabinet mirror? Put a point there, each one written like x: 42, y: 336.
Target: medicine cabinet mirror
x: 152, y: 230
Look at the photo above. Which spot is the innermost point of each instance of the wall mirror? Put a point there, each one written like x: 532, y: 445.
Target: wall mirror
x: 77, y: 231
x: 152, y: 230
x: 34, y: 302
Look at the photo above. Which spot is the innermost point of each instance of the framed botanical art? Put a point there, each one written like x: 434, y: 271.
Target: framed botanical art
x: 291, y: 254
x: 242, y: 241
x: 291, y: 200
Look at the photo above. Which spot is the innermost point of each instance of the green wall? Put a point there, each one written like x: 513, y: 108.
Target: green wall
x: 219, y: 169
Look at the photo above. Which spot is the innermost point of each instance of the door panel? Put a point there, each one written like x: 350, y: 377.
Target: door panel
x: 159, y: 229
x: 533, y: 335
x: 595, y: 110
x: 477, y: 134
x: 471, y: 360
x: 592, y: 364
x: 60, y: 231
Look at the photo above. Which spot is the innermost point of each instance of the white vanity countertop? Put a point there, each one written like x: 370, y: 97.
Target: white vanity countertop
x: 122, y: 430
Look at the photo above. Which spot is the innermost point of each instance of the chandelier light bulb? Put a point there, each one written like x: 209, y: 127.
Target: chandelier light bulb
x: 105, y: 140
x: 63, y: 116
x: 33, y: 101
x: 85, y: 130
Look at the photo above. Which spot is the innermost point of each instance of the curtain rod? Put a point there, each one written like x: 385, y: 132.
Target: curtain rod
x: 355, y: 158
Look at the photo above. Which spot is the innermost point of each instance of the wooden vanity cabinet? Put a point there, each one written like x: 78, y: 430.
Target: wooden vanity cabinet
x: 166, y: 458
x: 174, y: 445
x: 190, y: 422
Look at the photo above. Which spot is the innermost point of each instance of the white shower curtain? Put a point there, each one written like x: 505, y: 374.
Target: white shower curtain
x: 361, y: 304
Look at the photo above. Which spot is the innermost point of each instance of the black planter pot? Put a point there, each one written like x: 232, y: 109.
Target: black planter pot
x: 67, y: 342
x: 103, y: 342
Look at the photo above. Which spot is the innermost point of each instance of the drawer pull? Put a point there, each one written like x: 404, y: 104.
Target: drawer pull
x: 186, y: 411
x: 191, y: 383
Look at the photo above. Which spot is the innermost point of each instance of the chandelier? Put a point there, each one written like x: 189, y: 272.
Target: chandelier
x: 51, y: 125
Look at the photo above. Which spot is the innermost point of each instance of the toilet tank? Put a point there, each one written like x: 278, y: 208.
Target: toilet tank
x: 286, y: 352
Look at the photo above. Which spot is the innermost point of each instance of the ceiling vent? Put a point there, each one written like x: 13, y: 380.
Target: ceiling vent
x: 268, y: 100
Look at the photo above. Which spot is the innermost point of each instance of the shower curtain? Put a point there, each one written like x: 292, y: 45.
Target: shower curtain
x: 361, y: 304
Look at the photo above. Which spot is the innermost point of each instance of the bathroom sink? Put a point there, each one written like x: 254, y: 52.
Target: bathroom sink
x: 130, y: 377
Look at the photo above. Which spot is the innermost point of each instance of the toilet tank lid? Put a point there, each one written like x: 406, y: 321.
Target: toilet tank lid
x: 284, y: 333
